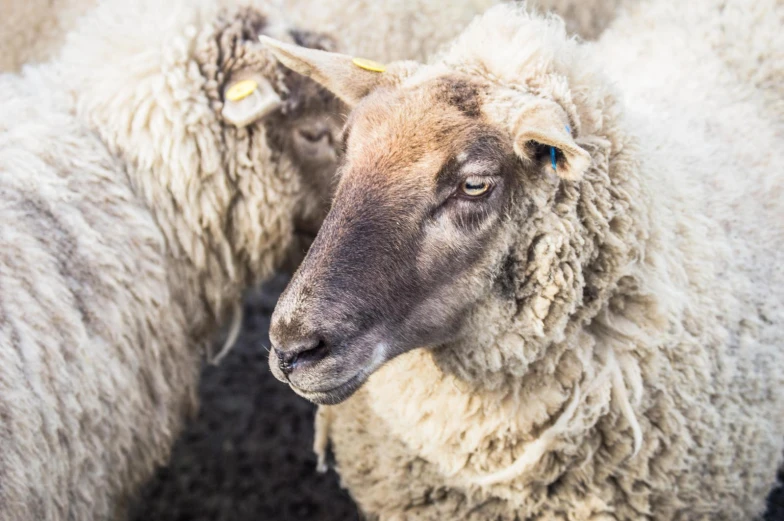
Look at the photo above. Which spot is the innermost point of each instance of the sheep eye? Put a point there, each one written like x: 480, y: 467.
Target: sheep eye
x: 473, y: 187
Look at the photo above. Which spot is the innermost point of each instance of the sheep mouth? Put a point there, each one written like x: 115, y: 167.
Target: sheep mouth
x: 336, y: 394
x: 339, y: 393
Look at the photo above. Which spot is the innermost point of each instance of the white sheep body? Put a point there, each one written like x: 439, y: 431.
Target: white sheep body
x: 418, y: 29
x: 663, y: 397
x: 134, y: 216
x: 413, y: 29
x: 97, y: 370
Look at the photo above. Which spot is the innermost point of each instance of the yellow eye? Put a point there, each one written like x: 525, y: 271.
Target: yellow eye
x: 473, y: 187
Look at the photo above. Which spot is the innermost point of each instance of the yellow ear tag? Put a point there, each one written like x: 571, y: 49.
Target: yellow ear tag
x: 241, y: 90
x: 368, y: 65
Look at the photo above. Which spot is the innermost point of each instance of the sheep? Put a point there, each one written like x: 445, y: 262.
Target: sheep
x: 725, y: 27
x: 544, y: 291
x: 414, y: 29
x: 140, y: 193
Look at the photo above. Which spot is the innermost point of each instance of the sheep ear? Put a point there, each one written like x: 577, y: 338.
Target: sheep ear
x: 547, y: 125
x: 249, y: 100
x: 350, y: 79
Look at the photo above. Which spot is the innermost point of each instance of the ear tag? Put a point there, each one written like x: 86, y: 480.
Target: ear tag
x: 368, y: 65
x: 553, y: 154
x: 248, y: 101
x: 241, y: 90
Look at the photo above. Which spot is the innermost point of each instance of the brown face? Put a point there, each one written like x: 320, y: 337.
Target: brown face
x: 425, y: 189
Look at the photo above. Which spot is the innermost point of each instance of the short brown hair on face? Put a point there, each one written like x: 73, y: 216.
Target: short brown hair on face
x: 398, y: 261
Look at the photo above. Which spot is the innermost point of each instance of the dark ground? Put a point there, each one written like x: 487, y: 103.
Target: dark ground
x: 248, y: 457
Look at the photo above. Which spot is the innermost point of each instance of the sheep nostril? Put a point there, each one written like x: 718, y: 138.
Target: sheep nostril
x: 313, y: 355
x: 305, y: 354
x: 314, y: 136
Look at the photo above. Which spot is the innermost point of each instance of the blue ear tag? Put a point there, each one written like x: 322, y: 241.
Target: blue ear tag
x: 552, y: 151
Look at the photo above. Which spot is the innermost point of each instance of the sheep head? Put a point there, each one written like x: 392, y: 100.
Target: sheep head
x: 276, y: 132
x: 274, y: 108
x: 233, y: 153
x: 457, y: 225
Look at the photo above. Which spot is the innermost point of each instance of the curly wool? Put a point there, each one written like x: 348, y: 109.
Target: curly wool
x: 636, y: 372
x: 745, y: 36
x: 136, y: 216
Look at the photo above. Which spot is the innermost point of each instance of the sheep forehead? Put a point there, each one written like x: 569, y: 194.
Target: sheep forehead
x: 412, y: 132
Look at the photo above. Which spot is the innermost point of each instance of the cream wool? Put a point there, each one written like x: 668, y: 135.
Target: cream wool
x: 383, y: 30
x: 638, y: 372
x: 34, y: 30
x: 386, y: 31
x: 134, y: 217
x: 745, y: 36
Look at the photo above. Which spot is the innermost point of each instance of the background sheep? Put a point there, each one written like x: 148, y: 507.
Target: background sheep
x: 416, y: 29
x: 386, y: 31
x: 608, y: 336
x: 740, y: 33
x: 139, y: 213
x: 34, y: 30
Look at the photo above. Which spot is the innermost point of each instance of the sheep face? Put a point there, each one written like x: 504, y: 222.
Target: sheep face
x: 304, y: 130
x: 293, y: 117
x: 439, y: 200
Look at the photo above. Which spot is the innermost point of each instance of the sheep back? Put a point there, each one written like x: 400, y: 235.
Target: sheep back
x: 95, y: 377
